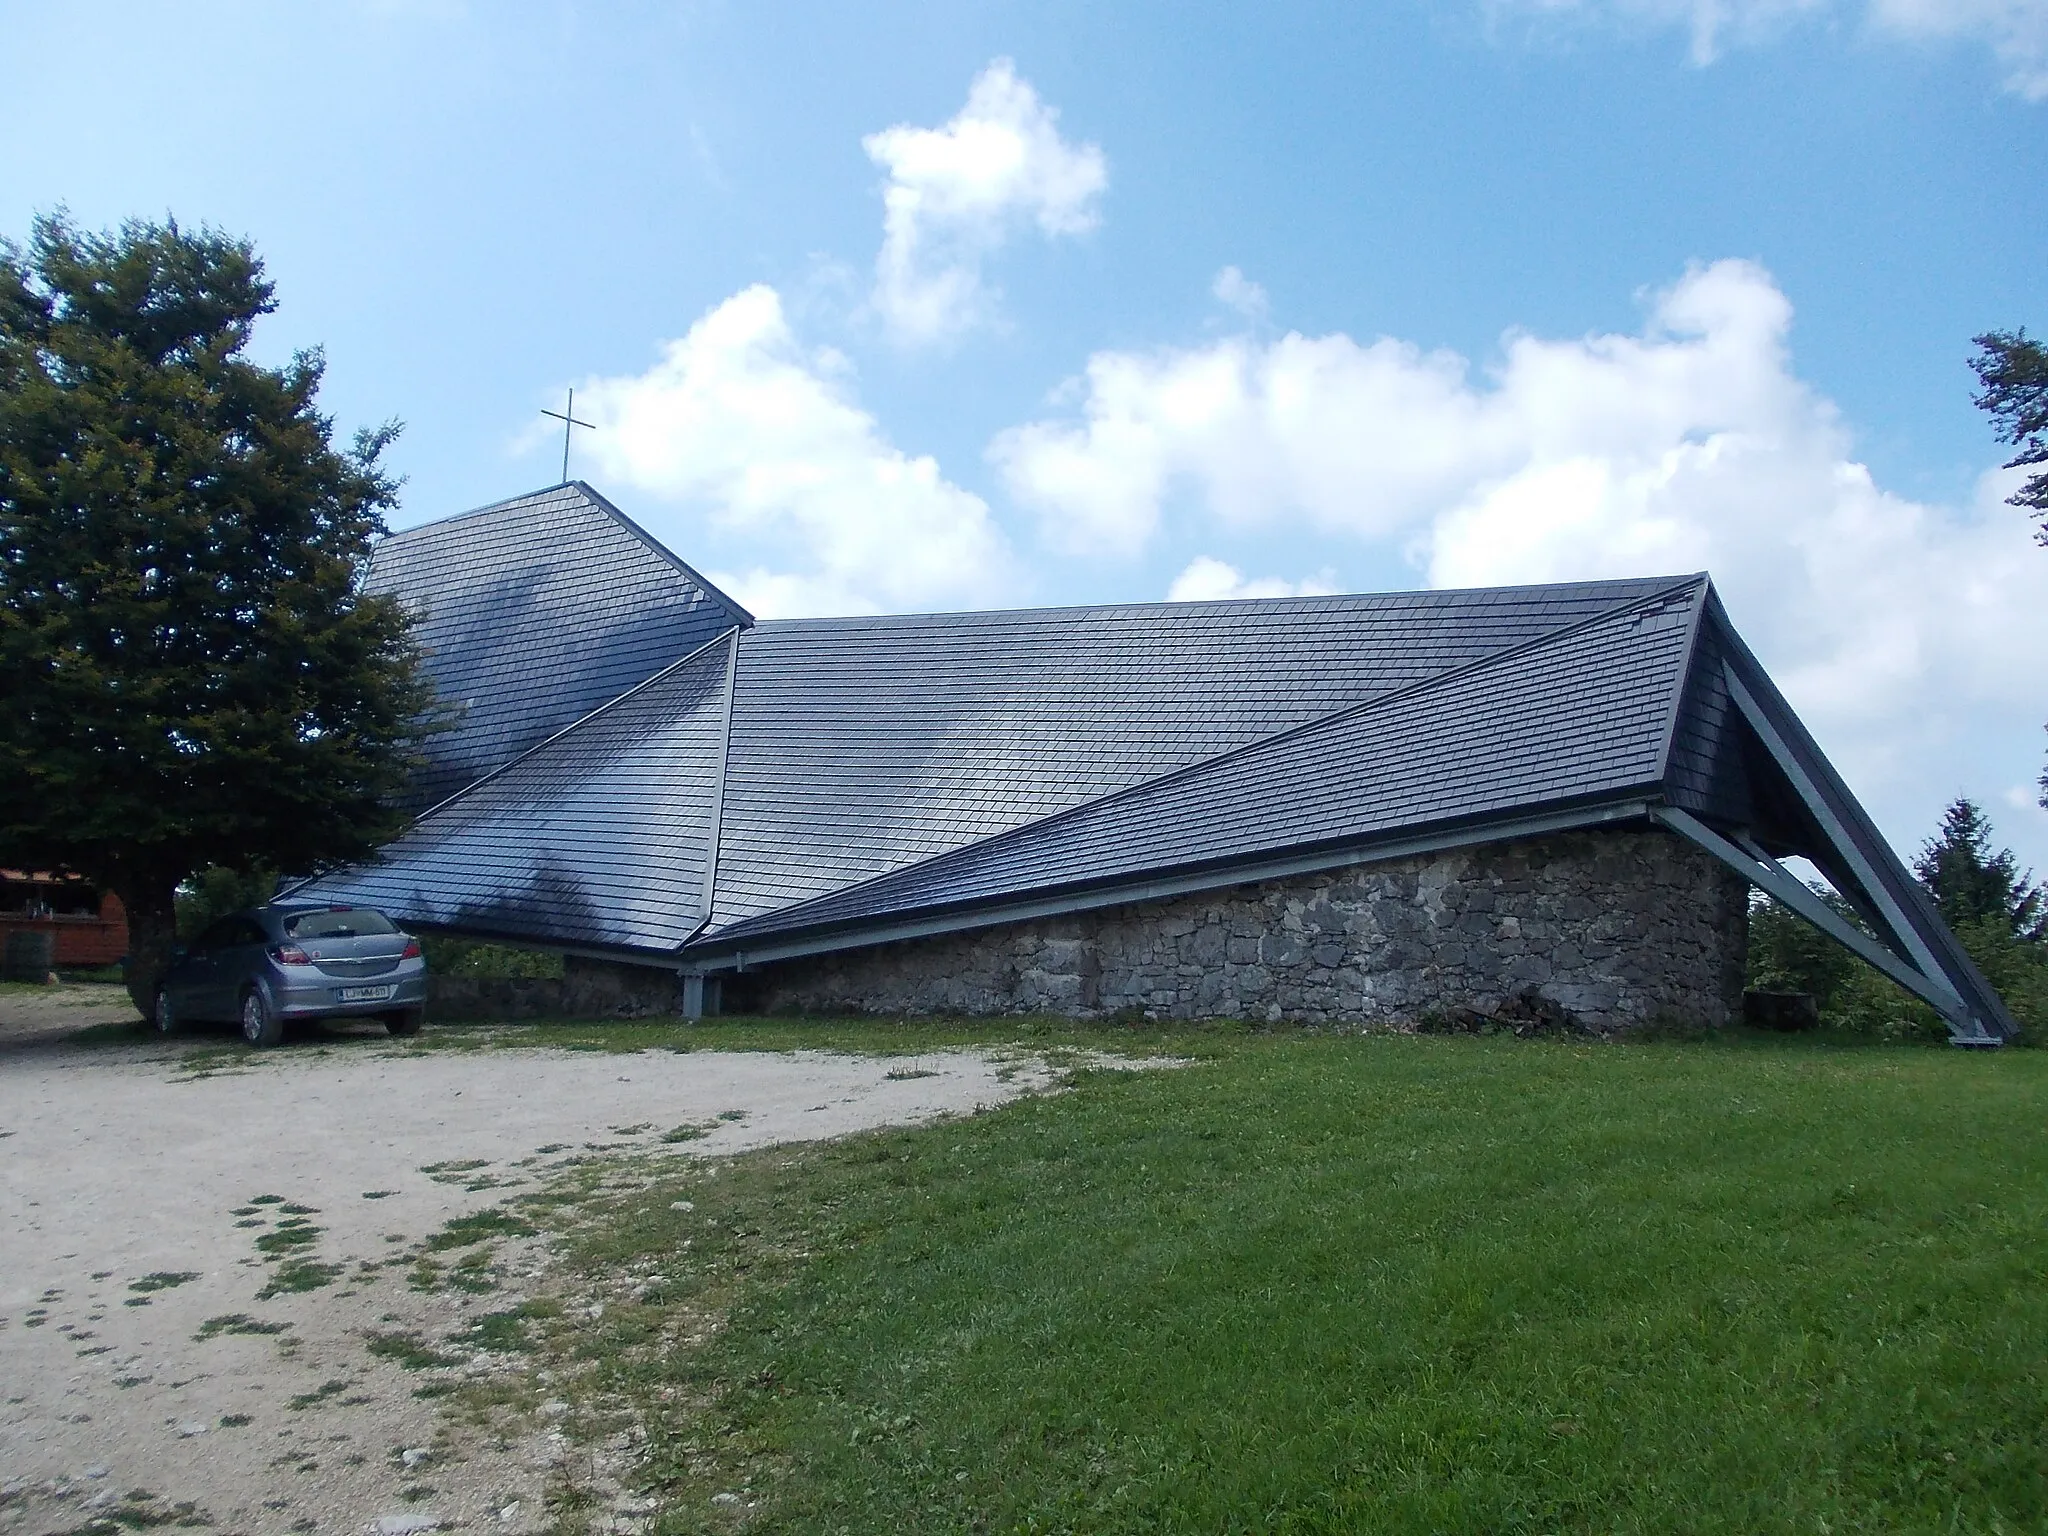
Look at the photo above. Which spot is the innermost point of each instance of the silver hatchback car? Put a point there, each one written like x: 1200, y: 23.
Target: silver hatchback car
x: 265, y: 966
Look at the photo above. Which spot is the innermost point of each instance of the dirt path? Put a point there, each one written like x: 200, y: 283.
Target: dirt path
x: 35, y: 1018
x: 157, y: 1360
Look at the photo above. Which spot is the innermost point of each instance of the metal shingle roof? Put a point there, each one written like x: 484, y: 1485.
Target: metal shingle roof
x: 1579, y: 715
x: 864, y: 745
x: 535, y: 611
x: 828, y: 783
x: 599, y: 836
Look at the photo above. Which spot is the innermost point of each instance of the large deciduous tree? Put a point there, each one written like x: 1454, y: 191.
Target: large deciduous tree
x: 2013, y: 372
x: 192, y: 674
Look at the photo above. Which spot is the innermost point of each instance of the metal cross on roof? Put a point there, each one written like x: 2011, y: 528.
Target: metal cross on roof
x: 567, y: 417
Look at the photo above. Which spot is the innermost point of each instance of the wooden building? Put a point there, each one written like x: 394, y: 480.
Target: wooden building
x: 86, y: 925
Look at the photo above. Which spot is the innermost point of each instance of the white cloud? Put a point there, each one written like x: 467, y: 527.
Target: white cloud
x: 1353, y: 438
x: 1232, y: 287
x: 2015, y: 30
x: 1904, y: 631
x: 956, y: 193
x: 1209, y: 580
x: 739, y: 422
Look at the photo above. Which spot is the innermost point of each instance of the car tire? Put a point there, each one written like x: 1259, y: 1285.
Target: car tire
x: 260, y: 1024
x: 165, y: 1014
x: 404, y: 1022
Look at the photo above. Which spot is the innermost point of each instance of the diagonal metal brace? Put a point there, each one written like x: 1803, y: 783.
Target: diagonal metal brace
x: 1774, y: 880
x: 1889, y: 913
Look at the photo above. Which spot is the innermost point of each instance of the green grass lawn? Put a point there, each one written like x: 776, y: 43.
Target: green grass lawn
x: 1379, y: 1284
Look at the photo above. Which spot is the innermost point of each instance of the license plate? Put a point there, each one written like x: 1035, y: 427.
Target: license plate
x: 366, y: 994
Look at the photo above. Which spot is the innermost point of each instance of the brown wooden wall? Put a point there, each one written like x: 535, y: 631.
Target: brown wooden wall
x: 81, y: 941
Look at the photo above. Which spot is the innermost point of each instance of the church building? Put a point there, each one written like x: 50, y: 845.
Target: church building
x: 1387, y: 808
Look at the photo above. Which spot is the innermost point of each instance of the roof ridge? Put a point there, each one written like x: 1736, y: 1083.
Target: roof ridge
x: 601, y: 503
x: 1392, y: 696
x: 604, y: 504
x: 1685, y: 671
x: 1249, y: 604
x: 597, y: 499
x: 489, y: 506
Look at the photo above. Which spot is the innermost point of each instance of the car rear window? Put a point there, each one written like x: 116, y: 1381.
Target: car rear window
x: 352, y: 924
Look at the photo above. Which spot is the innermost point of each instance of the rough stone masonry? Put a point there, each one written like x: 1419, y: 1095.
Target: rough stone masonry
x: 1608, y: 931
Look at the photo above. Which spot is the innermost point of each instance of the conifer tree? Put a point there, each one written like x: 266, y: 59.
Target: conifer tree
x: 193, y: 675
x: 1971, y: 881
x: 2013, y: 370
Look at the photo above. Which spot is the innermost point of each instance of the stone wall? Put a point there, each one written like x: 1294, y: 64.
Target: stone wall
x: 1605, y: 931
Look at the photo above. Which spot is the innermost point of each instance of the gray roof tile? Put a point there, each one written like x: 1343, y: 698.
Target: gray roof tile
x: 917, y: 770
x: 1581, y: 714
x: 535, y: 611
x: 864, y: 745
x: 597, y: 837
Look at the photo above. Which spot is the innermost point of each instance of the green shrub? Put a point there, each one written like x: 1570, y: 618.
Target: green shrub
x: 1788, y: 954
x: 467, y: 957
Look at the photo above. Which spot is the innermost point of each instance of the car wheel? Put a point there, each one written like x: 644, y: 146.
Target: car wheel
x: 260, y: 1025
x: 166, y: 1014
x: 404, y: 1022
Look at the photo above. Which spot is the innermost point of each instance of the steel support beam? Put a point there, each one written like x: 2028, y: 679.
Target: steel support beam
x: 1777, y: 882
x: 1895, y: 906
x: 1904, y: 934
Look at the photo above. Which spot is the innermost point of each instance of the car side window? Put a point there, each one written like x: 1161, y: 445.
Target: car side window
x: 216, y: 935
x: 248, y: 931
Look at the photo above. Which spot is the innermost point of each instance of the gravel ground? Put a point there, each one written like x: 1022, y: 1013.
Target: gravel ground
x: 137, y: 1182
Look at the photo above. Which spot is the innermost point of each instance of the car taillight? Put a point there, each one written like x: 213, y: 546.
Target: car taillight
x: 412, y: 950
x: 290, y: 954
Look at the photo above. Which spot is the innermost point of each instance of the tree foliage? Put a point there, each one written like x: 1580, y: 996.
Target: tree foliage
x: 1789, y: 954
x: 194, y: 675
x: 450, y: 956
x: 2012, y: 369
x: 215, y: 892
x: 1971, y: 881
x: 1994, y: 909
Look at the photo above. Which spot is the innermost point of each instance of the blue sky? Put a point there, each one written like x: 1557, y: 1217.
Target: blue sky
x: 903, y: 306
